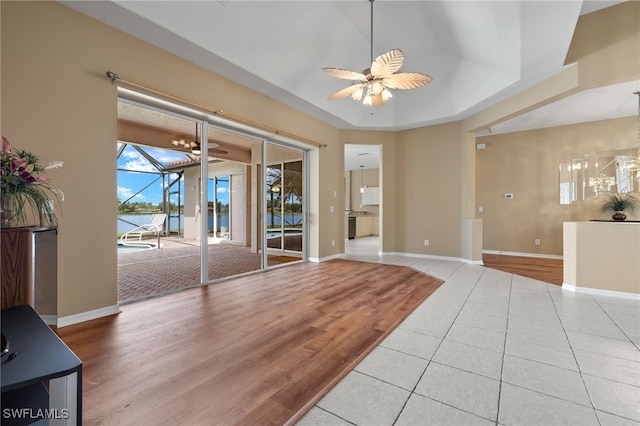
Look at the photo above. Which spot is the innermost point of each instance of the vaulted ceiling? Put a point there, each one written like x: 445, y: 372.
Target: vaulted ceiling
x: 478, y: 52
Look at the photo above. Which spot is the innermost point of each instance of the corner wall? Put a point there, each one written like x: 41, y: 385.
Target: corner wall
x: 428, y: 190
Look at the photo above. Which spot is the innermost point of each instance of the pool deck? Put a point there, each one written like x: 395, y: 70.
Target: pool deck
x: 176, y: 265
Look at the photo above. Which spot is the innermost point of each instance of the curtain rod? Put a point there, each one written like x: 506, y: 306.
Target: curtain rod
x: 216, y: 111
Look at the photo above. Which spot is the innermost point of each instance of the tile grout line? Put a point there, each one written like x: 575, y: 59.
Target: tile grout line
x: 555, y: 308
x: 504, y: 352
x: 413, y: 391
x: 334, y: 414
x: 614, y: 321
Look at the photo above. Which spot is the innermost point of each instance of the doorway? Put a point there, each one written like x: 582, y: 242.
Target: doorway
x: 363, y: 198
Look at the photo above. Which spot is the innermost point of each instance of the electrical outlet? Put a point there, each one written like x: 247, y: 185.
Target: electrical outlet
x: 333, y: 243
x: 331, y: 209
x: 426, y: 242
x: 537, y: 241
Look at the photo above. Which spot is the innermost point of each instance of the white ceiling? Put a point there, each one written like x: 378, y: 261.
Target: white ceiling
x: 358, y: 156
x: 603, y: 103
x: 478, y: 53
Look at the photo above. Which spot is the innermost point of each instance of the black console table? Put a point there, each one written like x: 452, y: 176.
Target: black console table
x: 41, y: 377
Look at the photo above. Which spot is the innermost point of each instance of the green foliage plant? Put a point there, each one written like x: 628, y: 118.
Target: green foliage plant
x: 621, y: 203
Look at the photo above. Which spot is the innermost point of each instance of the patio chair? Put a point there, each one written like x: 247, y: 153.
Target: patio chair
x: 153, y: 228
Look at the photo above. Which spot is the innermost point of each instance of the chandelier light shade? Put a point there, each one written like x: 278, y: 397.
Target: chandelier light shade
x: 602, y: 183
x: 633, y: 164
x: 616, y: 170
x: 619, y: 168
x: 372, y: 85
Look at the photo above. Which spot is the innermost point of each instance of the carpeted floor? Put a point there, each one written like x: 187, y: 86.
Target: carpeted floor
x: 150, y: 273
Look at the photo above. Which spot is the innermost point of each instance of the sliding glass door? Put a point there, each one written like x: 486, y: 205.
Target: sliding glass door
x: 238, y: 195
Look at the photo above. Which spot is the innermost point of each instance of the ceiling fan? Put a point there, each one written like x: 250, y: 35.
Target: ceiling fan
x: 194, y: 146
x: 374, y: 83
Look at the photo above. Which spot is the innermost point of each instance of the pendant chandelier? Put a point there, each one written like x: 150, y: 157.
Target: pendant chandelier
x: 622, y: 168
x: 634, y: 163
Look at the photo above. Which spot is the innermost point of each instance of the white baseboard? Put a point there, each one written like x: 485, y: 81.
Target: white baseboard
x: 515, y: 253
x: 600, y: 292
x: 431, y: 256
x: 326, y: 258
x: 87, y: 316
x: 49, y: 319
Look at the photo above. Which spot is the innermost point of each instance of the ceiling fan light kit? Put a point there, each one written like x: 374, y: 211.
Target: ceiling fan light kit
x: 372, y: 85
x: 194, y: 146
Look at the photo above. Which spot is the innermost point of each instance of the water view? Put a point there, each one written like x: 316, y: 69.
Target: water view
x: 127, y: 222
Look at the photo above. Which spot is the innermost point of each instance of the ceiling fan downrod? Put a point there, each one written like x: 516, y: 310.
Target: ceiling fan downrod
x: 371, y: 56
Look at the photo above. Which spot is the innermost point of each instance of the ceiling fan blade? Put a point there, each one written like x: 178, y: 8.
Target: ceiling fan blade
x: 378, y: 100
x: 343, y: 93
x: 344, y: 74
x: 215, y: 148
x: 218, y: 151
x: 406, y: 80
x: 387, y: 63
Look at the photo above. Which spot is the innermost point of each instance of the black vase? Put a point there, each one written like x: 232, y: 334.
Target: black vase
x: 619, y: 216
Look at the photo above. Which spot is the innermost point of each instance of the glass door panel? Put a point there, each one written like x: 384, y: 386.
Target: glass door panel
x: 284, y: 191
x: 292, y: 189
x: 219, y: 203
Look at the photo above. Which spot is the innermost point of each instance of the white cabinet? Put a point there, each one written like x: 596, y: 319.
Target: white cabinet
x: 366, y: 226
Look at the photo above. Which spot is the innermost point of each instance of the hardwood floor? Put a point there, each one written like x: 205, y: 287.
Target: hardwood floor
x: 543, y: 269
x: 256, y: 350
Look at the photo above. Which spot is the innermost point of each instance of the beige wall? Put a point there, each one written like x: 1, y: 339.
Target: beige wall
x: 606, y: 44
x: 526, y: 164
x: 428, y: 201
x: 57, y: 103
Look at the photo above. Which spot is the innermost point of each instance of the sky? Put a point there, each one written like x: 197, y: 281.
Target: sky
x: 131, y: 183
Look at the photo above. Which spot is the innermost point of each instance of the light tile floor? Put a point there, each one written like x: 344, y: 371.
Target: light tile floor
x: 489, y: 347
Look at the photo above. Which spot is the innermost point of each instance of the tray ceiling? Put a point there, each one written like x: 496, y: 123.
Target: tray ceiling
x: 478, y: 52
